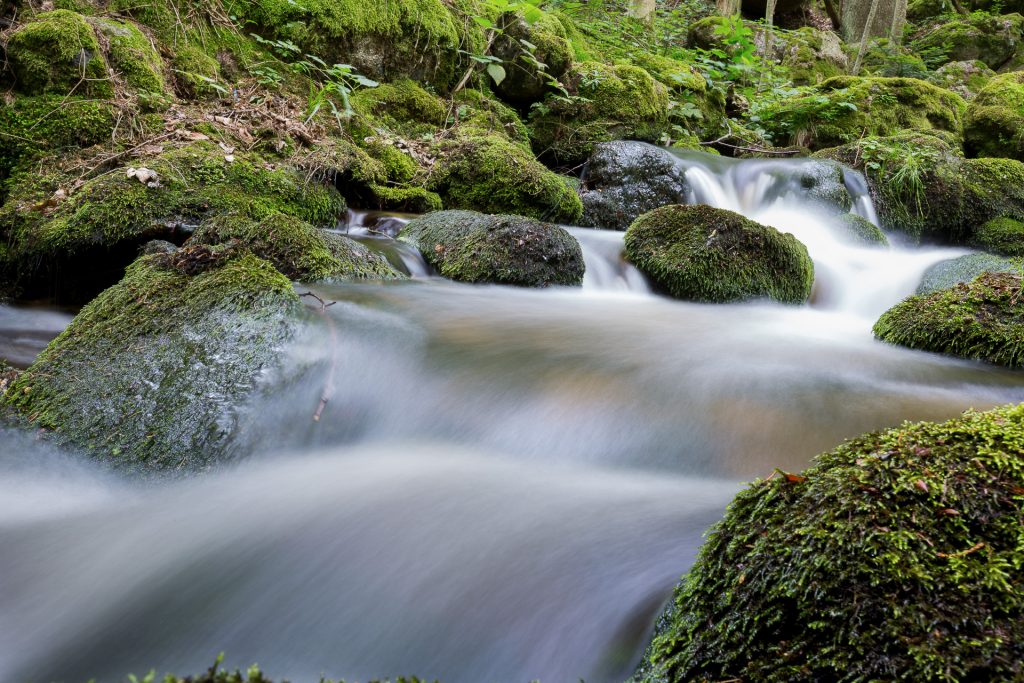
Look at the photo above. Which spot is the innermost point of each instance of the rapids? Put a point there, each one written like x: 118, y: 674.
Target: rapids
x: 503, y: 486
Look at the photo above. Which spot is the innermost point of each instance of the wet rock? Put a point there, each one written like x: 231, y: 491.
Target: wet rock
x: 623, y: 180
x: 946, y: 274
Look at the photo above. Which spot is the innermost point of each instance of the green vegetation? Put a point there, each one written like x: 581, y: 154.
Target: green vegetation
x: 995, y: 119
x: 58, y: 52
x: 896, y: 556
x: 512, y: 250
x: 982, y: 319
x: 1002, y: 236
x: 991, y: 39
x: 705, y: 254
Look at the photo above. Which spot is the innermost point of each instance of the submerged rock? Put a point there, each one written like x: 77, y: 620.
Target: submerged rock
x: 150, y: 375
x: 510, y: 250
x: 705, y: 254
x: 945, y: 274
x: 982, y: 320
x: 860, y: 231
x: 896, y: 555
x: 623, y: 180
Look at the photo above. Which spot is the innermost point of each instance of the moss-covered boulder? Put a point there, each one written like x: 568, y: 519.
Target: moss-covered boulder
x: 606, y: 103
x: 923, y: 187
x: 150, y: 375
x: 419, y: 39
x: 484, y: 171
x: 296, y: 248
x: 623, y: 180
x: 846, y: 108
x: 982, y: 319
x: 131, y: 55
x: 402, y: 105
x: 946, y: 274
x: 991, y: 39
x: 859, y: 231
x: 480, y: 109
x: 1001, y: 236
x: 966, y: 79
x: 92, y: 232
x: 705, y: 254
x: 58, y: 52
x: 532, y: 53
x: 994, y: 126
x: 508, y: 250
x: 896, y: 556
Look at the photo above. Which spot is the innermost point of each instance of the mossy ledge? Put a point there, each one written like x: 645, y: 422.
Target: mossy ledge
x: 982, y: 320
x: 705, y: 254
x: 151, y: 373
x: 896, y: 556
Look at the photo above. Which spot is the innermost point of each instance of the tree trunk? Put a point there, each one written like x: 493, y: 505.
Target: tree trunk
x: 883, y: 14
x: 727, y: 8
x: 869, y: 22
x: 641, y: 10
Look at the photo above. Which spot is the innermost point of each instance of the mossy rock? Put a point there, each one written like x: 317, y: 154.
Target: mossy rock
x: 693, y: 105
x: 966, y: 79
x: 480, y: 109
x: 896, y: 556
x: 297, y: 249
x: 982, y: 320
x: 623, y: 180
x: 151, y: 374
x: 101, y: 224
x: 860, y: 231
x: 524, y: 81
x: 58, y: 52
x: 946, y: 274
x: 701, y: 253
x: 620, y: 102
x: 1002, y: 236
x: 404, y: 106
x: 418, y: 39
x: 484, y: 171
x: 847, y: 108
x: 509, y: 250
x: 988, y: 38
x: 923, y: 187
x: 995, y: 119
x: 920, y: 10
x: 131, y: 54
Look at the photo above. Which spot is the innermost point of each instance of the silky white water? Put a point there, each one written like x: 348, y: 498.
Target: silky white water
x: 504, y: 484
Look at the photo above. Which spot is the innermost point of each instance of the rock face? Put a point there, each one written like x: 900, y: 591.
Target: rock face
x: 995, y: 119
x: 623, y: 180
x: 946, y: 274
x: 510, y: 250
x: 705, y: 254
x: 151, y: 373
x: 982, y: 320
x: 896, y: 555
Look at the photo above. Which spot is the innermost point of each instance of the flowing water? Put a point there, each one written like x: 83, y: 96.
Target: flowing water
x: 503, y: 486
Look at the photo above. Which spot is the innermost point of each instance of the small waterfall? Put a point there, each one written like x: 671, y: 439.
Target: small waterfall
x: 606, y: 268
x: 798, y: 197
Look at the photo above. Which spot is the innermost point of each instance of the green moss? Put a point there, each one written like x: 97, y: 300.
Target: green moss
x: 982, y: 320
x: 988, y: 38
x: 415, y: 38
x: 195, y: 182
x: 404, y: 199
x: 706, y: 254
x: 607, y: 103
x: 847, y: 108
x: 858, y: 230
x: 132, y: 55
x: 995, y: 119
x: 896, y: 556
x: 524, y: 81
x: 479, y: 109
x: 511, y: 250
x: 486, y: 172
x: 946, y: 274
x: 693, y: 106
x: 296, y: 248
x: 404, y: 106
x: 57, y: 52
x: 151, y: 374
x: 1002, y: 236
x: 964, y: 78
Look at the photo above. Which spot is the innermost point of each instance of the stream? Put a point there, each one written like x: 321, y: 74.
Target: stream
x: 504, y: 486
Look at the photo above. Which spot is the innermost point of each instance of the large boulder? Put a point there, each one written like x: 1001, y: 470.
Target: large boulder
x: 1002, y: 236
x: 509, y: 250
x: 623, y: 180
x: 982, y: 319
x: 995, y: 119
x: 151, y: 374
x: 607, y: 103
x: 950, y: 272
x: 484, y: 171
x: 966, y: 78
x: 705, y: 254
x: 896, y: 556
x: 991, y: 39
x: 533, y: 53
x: 846, y: 108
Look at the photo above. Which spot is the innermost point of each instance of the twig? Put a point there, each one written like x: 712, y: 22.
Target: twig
x: 328, y: 390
